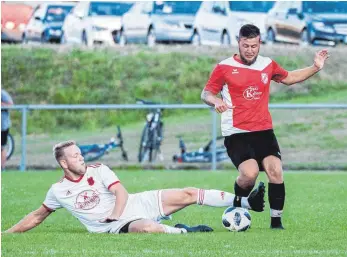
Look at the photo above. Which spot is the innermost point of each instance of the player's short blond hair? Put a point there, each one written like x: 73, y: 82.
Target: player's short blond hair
x: 58, y: 149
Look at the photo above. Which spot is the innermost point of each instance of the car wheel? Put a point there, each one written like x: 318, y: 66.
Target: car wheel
x: 85, y: 39
x: 270, y: 37
x: 62, y: 38
x: 24, y: 39
x: 304, y: 38
x: 225, y: 39
x: 151, y: 39
x: 196, y: 39
x: 122, y: 41
x: 43, y: 39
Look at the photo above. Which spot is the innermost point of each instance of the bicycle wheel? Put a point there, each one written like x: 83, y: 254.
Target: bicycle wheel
x: 144, y: 143
x: 157, y: 137
x: 9, y: 146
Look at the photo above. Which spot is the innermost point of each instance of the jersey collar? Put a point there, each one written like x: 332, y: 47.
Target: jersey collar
x: 74, y: 180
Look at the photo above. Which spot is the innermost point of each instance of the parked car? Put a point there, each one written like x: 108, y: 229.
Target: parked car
x: 219, y: 22
x: 159, y: 21
x: 251, y: 12
x: 46, y: 22
x: 14, y: 18
x: 308, y: 22
x: 95, y: 22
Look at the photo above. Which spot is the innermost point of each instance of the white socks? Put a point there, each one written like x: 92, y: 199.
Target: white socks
x: 276, y: 213
x: 217, y: 198
x: 173, y: 230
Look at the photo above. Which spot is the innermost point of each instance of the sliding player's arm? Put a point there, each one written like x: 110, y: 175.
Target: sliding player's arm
x: 30, y: 221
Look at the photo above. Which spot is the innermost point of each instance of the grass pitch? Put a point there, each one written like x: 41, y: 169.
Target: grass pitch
x: 315, y: 219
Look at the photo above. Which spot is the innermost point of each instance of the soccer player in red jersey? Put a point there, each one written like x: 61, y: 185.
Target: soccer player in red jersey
x: 243, y: 81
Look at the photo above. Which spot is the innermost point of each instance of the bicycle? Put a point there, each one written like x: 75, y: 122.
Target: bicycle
x: 93, y: 152
x: 204, y: 154
x: 152, y: 134
x: 9, y: 146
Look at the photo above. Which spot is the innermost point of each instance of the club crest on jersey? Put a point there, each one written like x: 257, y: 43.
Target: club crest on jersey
x: 87, y: 200
x: 91, y: 181
x: 264, y: 78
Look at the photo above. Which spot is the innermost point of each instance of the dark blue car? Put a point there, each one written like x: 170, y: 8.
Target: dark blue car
x: 46, y: 23
x: 308, y: 22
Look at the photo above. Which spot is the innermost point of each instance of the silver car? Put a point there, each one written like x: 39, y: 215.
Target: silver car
x: 218, y: 22
x: 164, y: 21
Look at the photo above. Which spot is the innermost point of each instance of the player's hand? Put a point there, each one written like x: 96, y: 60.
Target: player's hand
x: 320, y: 58
x: 220, y: 106
x: 109, y: 220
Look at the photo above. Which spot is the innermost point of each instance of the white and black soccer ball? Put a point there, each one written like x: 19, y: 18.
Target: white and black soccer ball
x: 236, y: 219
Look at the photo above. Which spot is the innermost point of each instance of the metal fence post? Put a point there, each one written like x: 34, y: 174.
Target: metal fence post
x: 214, y: 136
x: 24, y: 133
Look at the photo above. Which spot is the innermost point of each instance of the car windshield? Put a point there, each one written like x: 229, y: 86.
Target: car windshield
x: 251, y: 6
x: 57, y: 13
x: 325, y: 7
x: 176, y: 7
x: 109, y: 8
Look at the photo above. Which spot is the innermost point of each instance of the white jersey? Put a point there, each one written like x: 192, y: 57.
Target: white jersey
x: 87, y: 198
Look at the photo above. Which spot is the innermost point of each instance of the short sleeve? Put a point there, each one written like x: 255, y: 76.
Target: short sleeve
x: 216, y: 80
x: 51, y: 203
x: 108, y: 177
x: 278, y: 73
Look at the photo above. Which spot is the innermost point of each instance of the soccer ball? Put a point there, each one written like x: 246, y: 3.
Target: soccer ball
x: 236, y: 219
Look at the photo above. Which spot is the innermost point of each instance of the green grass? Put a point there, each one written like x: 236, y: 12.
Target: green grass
x: 315, y: 219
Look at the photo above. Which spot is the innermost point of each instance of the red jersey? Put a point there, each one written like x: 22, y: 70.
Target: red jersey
x: 248, y: 89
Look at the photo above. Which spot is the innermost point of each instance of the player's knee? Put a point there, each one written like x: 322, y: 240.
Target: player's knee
x: 275, y: 173
x: 248, y: 179
x: 190, y: 194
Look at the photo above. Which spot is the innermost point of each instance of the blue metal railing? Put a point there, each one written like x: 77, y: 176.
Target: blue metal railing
x: 25, y: 108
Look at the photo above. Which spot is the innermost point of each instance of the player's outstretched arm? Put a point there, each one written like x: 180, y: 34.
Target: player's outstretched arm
x: 30, y: 221
x: 303, y: 74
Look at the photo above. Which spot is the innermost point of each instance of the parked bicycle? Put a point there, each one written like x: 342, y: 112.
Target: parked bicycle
x: 204, y: 154
x: 93, y: 152
x: 9, y: 146
x: 152, y: 135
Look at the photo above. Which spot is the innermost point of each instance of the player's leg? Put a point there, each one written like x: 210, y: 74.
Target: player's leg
x: 269, y: 156
x: 240, y: 152
x: 174, y: 200
x: 248, y: 173
x: 149, y: 226
x: 276, y: 191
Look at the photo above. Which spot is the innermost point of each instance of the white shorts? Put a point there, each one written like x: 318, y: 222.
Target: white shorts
x: 145, y: 205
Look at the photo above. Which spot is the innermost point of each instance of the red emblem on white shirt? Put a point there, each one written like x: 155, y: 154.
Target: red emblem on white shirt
x: 91, y: 181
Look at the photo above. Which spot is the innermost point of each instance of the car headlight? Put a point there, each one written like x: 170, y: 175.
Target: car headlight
x: 321, y: 26
x: 9, y: 25
x: 98, y: 28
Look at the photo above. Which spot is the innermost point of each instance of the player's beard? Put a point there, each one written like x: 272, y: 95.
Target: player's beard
x: 245, y: 61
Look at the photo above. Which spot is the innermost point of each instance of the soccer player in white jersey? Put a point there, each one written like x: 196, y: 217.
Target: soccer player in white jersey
x: 243, y: 81
x: 95, y: 196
